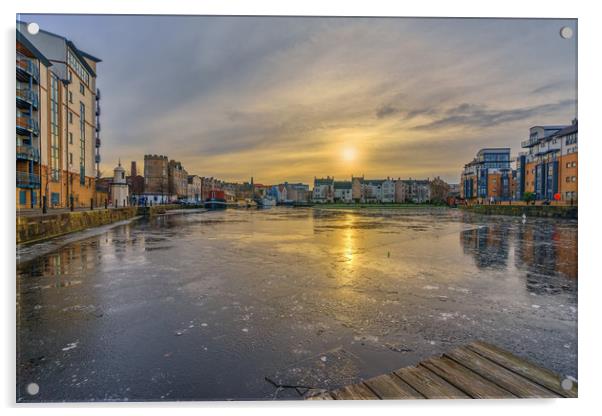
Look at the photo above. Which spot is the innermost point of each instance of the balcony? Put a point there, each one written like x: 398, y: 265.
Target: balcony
x: 530, y: 141
x: 97, y: 158
x: 97, y: 127
x: 28, y: 152
x: 27, y: 69
x: 28, y: 180
x: 97, y: 142
x: 97, y: 109
x: 27, y: 125
x: 97, y: 94
x: 26, y: 98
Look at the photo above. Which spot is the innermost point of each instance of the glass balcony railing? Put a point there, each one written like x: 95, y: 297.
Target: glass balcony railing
x: 27, y: 124
x: 28, y: 180
x: 98, y: 142
x: 27, y: 96
x: 27, y: 152
x: 27, y: 68
x: 97, y: 158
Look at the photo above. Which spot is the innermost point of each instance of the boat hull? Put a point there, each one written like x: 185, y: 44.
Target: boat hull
x: 215, y: 204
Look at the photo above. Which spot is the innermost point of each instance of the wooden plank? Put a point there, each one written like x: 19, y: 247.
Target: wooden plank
x: 390, y: 387
x: 508, y: 380
x: 429, y: 384
x: 466, y: 380
x: 526, y: 369
x: 354, y: 392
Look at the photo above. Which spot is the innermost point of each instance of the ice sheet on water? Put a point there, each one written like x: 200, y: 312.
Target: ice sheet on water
x: 328, y: 370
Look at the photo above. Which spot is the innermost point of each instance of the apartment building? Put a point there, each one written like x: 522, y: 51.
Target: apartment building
x: 177, y: 180
x: 323, y: 191
x: 548, y: 167
x: 417, y: 191
x: 31, y: 70
x: 488, y: 176
x: 58, y: 113
x: 343, y: 191
x: 195, y: 189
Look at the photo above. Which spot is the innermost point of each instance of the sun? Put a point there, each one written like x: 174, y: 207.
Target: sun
x: 349, y: 154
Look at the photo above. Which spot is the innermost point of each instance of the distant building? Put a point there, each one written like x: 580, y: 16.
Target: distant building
x: 195, y: 189
x: 417, y: 191
x: 488, y: 176
x: 439, y: 190
x: 343, y: 191
x: 323, y: 191
x: 120, y: 196
x: 388, y: 191
x: 135, y: 181
x: 373, y: 190
x: 297, y: 192
x: 177, y: 180
x: 156, y: 188
x: 549, y: 165
x: 357, y: 189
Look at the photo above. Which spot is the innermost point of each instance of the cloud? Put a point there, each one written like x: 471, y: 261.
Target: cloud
x: 386, y: 111
x: 279, y: 97
x: 476, y: 116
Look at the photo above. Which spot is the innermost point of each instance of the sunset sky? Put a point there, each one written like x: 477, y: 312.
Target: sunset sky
x: 292, y: 98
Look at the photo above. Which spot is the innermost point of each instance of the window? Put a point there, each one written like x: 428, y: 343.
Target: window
x: 574, y: 164
x: 54, y: 129
x: 70, y: 117
x: 568, y: 164
x: 22, y: 197
x: 70, y: 97
x: 573, y: 179
x: 54, y: 198
x: 71, y: 159
x: 76, y: 64
x: 82, y: 89
x: 82, y: 142
x: 70, y: 138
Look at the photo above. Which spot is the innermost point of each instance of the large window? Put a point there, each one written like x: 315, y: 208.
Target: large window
x: 78, y: 67
x: 55, y: 147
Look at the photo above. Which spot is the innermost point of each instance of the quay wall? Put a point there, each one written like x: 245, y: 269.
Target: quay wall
x: 547, y: 211
x: 35, y: 228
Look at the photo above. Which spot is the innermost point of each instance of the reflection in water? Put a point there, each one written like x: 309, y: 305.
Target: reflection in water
x: 488, y: 244
x: 546, y: 251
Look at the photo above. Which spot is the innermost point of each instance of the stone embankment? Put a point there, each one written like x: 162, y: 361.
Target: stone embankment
x: 34, y: 228
x: 547, y: 211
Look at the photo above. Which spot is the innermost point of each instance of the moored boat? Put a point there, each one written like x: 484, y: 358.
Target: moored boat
x: 216, y: 200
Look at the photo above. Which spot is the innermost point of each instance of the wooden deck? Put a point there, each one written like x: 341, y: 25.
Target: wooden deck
x: 476, y: 371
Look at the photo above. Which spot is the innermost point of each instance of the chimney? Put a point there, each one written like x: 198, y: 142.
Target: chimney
x: 133, y: 170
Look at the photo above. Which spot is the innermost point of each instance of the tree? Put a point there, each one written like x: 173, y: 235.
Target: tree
x: 528, y: 197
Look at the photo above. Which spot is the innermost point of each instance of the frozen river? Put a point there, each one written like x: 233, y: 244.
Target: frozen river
x: 207, y: 305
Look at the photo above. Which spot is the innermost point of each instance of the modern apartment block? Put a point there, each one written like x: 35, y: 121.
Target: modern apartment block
x: 66, y: 123
x: 57, y: 121
x: 32, y: 68
x: 548, y: 168
x: 488, y: 176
